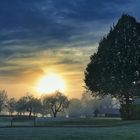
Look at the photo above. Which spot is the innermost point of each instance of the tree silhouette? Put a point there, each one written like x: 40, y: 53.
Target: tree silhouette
x: 115, y: 68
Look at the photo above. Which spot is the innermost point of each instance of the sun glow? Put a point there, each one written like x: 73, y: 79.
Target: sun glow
x: 51, y: 83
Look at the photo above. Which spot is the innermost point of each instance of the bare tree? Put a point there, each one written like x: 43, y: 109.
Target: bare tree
x: 56, y: 103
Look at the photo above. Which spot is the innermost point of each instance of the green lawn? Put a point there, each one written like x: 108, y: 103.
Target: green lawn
x: 130, y: 132
x: 64, y: 122
x: 73, y: 122
x: 123, y: 131
x: 82, y: 122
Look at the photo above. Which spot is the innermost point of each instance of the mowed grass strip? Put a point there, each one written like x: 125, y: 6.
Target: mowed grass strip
x: 93, y: 122
x: 125, y: 132
x: 79, y: 122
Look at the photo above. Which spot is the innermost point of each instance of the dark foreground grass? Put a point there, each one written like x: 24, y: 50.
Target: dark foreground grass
x: 128, y: 131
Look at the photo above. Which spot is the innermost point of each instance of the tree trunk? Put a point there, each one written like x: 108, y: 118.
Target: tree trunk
x: 30, y: 112
x: 126, y: 108
x: 54, y: 114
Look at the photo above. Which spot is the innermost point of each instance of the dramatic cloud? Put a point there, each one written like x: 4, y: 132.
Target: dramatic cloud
x: 38, y: 36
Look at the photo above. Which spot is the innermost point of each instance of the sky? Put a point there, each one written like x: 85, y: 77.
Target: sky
x: 38, y: 37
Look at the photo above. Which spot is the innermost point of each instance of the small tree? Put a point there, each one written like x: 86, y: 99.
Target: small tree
x: 36, y: 106
x: 3, y: 99
x: 28, y: 104
x: 21, y: 106
x: 11, y: 105
x: 56, y: 103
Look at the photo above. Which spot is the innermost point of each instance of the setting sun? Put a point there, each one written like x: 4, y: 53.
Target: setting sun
x: 51, y: 83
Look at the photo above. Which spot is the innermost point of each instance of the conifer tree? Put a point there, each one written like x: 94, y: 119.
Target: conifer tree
x: 115, y: 68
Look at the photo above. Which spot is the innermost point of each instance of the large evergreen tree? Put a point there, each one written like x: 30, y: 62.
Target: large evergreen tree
x: 115, y: 68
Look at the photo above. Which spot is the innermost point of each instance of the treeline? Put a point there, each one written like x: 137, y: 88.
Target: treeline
x: 89, y: 106
x: 30, y: 105
x: 56, y: 104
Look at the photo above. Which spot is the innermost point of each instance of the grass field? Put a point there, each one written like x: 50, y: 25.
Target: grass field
x: 119, y: 131
x: 57, y: 122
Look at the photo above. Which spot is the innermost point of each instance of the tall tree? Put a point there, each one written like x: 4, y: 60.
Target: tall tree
x: 56, y: 103
x: 115, y: 68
